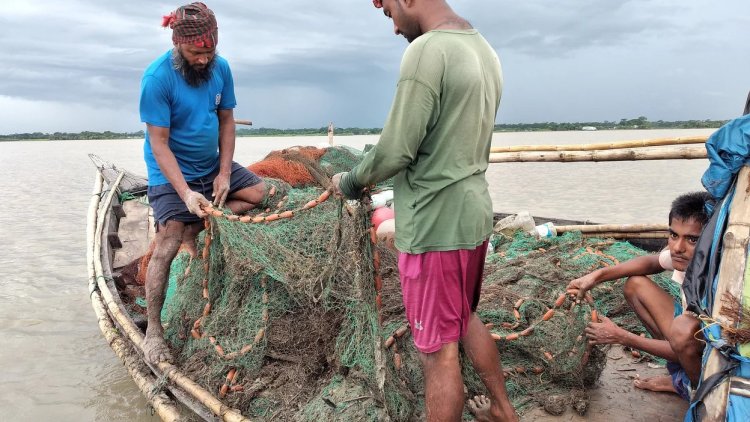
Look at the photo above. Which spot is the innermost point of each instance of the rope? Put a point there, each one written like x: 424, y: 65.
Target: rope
x: 159, y: 386
x: 126, y: 196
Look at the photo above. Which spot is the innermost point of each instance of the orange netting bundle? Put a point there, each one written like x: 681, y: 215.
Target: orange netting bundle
x: 297, y: 166
x: 276, y: 167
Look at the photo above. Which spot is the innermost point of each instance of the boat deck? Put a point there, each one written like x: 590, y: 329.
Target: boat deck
x: 135, y: 233
x: 615, y: 399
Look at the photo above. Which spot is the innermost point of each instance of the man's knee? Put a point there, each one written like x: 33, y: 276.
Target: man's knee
x: 252, y: 194
x: 258, y: 193
x: 682, y: 334
x: 167, y: 243
x: 633, y: 286
x: 446, y: 356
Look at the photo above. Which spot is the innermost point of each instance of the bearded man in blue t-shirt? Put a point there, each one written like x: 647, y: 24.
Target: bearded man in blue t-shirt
x: 187, y: 97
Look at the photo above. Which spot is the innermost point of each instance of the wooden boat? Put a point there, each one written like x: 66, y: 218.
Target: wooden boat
x: 112, y: 236
x: 119, y: 233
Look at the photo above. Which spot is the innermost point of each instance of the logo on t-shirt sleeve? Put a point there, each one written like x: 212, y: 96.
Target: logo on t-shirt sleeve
x: 218, y: 99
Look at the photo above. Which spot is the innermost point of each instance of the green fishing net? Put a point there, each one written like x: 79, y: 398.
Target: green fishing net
x: 291, y: 306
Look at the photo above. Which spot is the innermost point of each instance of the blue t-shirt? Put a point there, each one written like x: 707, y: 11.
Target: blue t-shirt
x: 189, y: 112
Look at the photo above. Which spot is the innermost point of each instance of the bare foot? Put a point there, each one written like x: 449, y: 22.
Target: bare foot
x: 155, y: 349
x: 480, y: 407
x: 660, y: 383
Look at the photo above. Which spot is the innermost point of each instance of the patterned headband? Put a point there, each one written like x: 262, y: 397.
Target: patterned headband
x: 193, y: 24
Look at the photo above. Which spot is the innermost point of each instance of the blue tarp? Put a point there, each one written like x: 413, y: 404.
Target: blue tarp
x: 728, y: 150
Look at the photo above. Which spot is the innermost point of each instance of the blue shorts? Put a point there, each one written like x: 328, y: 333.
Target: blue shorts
x: 168, y: 205
x: 680, y: 380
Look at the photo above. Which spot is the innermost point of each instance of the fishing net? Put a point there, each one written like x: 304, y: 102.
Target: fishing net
x: 299, y: 316
x: 524, y: 281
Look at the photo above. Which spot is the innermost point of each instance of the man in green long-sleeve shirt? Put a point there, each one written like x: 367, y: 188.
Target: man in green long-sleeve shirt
x: 436, y: 143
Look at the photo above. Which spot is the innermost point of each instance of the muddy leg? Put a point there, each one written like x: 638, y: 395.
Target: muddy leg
x: 168, y: 240
x: 481, y: 350
x: 188, y: 238
x: 444, y: 392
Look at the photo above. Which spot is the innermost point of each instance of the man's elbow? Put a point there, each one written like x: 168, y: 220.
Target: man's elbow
x: 393, y: 163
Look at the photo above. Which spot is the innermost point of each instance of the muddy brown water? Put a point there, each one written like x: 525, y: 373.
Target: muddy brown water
x: 54, y: 363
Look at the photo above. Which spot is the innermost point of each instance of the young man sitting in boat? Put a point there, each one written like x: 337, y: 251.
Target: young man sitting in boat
x: 672, y: 331
x: 187, y: 97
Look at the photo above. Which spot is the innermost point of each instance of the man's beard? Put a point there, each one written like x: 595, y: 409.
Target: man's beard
x: 195, y: 77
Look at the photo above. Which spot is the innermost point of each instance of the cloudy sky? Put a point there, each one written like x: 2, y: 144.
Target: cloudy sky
x: 75, y: 65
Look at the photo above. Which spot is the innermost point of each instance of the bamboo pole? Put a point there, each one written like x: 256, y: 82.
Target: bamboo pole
x: 731, y: 277
x: 613, y: 228
x: 623, y: 154
x: 135, y: 335
x: 164, y: 407
x: 91, y: 228
x: 604, y: 146
x: 626, y: 235
x: 243, y: 122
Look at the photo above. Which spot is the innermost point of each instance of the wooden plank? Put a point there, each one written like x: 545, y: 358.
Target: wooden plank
x: 106, y: 258
x: 114, y: 240
x: 111, y: 223
x: 118, y: 210
x: 731, y: 280
x: 133, y: 233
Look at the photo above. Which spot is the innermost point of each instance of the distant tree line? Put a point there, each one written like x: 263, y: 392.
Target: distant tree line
x: 67, y: 136
x: 638, y: 123
x: 343, y: 131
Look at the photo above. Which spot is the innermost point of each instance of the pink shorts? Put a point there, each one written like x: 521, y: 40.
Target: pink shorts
x: 441, y: 290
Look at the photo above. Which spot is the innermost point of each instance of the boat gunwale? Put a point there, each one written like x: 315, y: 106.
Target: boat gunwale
x: 164, y: 406
x: 121, y: 320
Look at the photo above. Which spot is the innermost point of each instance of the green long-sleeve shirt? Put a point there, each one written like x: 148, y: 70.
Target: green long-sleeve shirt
x: 436, y: 142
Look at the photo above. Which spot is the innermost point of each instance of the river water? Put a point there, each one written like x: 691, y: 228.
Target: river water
x: 54, y: 363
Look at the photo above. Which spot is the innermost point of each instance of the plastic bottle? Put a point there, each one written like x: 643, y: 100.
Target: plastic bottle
x: 522, y: 221
x: 545, y: 230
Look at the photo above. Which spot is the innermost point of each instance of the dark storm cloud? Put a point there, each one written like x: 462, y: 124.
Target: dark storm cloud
x: 544, y: 29
x: 302, y: 64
